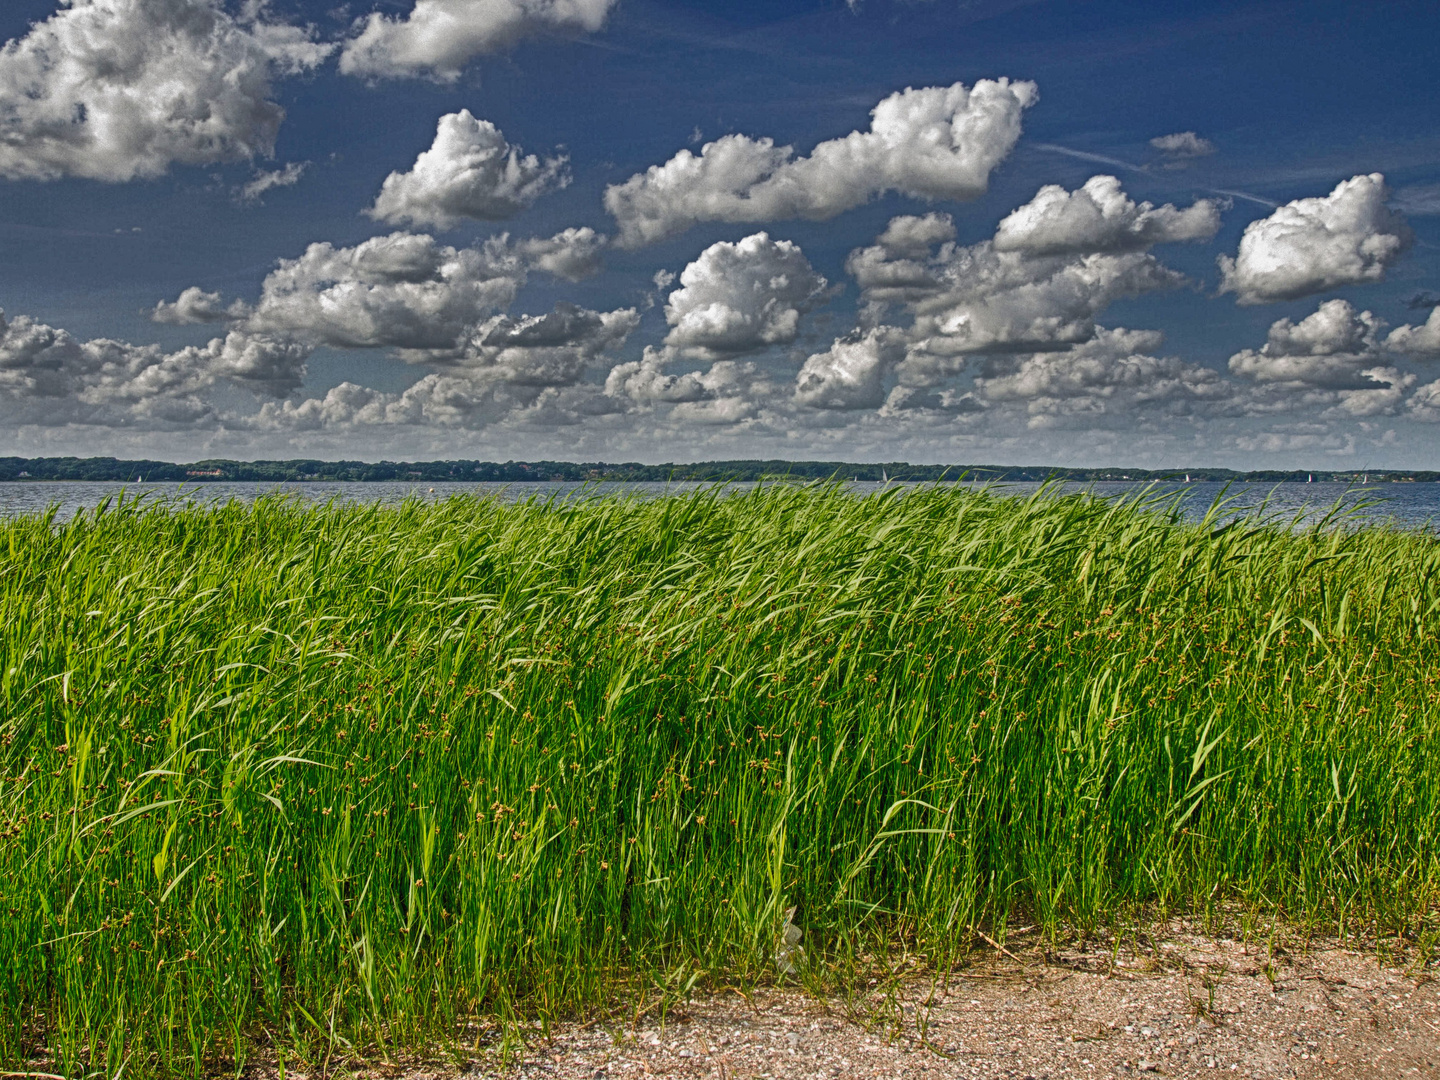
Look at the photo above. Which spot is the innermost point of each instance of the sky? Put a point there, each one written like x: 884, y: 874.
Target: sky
x: 997, y: 231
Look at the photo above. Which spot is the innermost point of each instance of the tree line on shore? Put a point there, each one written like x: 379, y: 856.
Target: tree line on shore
x: 305, y: 469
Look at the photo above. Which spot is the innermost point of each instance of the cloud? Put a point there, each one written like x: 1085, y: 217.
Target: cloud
x: 742, y: 297
x: 911, y: 237
x: 119, y: 89
x: 513, y: 370
x: 1424, y: 404
x: 977, y: 299
x: 263, y: 181
x: 1085, y: 155
x: 270, y: 366
x: 1100, y: 217
x: 932, y: 143
x: 851, y: 373
x: 428, y: 302
x: 730, y: 392
x: 346, y: 405
x: 1304, y: 440
x: 469, y: 173
x: 572, y: 254
x: 1113, y: 382
x: 1310, y: 245
x: 52, y: 378
x: 1033, y: 291
x: 1032, y: 315
x: 644, y: 381
x: 403, y: 290
x: 1334, y: 348
x: 1422, y: 340
x: 194, y: 306
x: 1109, y: 379
x: 1418, y: 200
x: 546, y: 350
x: 435, y: 401
x: 737, y: 392
x: 900, y: 267
x: 1182, y: 147
x: 1333, y: 363
x: 907, y: 402
x: 1335, y: 327
x: 34, y: 358
x: 439, y: 37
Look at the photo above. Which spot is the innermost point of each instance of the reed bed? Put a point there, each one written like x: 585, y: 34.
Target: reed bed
x: 333, y: 782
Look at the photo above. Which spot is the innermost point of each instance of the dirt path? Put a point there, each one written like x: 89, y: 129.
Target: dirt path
x: 1192, y: 1007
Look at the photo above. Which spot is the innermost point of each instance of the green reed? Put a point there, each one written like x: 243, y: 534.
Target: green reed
x: 337, y: 781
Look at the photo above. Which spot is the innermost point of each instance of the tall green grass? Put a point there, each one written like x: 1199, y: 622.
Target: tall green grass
x: 337, y: 780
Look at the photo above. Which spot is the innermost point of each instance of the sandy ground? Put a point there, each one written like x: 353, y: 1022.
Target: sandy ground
x: 1190, y: 1006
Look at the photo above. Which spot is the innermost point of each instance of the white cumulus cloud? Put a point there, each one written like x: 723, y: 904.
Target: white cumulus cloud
x: 119, y: 89
x: 194, y: 306
x: 730, y: 392
x: 268, y: 365
x: 1109, y: 379
x: 49, y: 377
x: 439, y: 37
x: 470, y: 172
x: 976, y: 299
x: 514, y: 370
x: 546, y: 350
x: 1053, y: 265
x: 571, y: 254
x: 741, y: 297
x: 1334, y: 348
x: 1037, y: 287
x: 1424, y: 404
x: 645, y: 381
x: 1310, y: 245
x: 1182, y: 146
x: 1101, y: 217
x: 930, y: 143
x: 1421, y: 341
x: 403, y: 290
x: 851, y: 373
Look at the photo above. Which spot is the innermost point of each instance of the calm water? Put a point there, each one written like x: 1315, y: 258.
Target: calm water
x: 1414, y: 505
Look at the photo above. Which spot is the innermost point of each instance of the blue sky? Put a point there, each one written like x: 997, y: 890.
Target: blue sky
x: 722, y: 307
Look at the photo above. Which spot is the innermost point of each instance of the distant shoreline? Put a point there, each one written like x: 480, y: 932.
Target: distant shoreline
x: 15, y: 469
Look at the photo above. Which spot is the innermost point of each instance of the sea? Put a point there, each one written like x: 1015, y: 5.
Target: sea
x: 1407, y: 505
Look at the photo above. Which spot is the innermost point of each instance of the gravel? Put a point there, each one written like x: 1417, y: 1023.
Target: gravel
x: 1190, y: 1006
